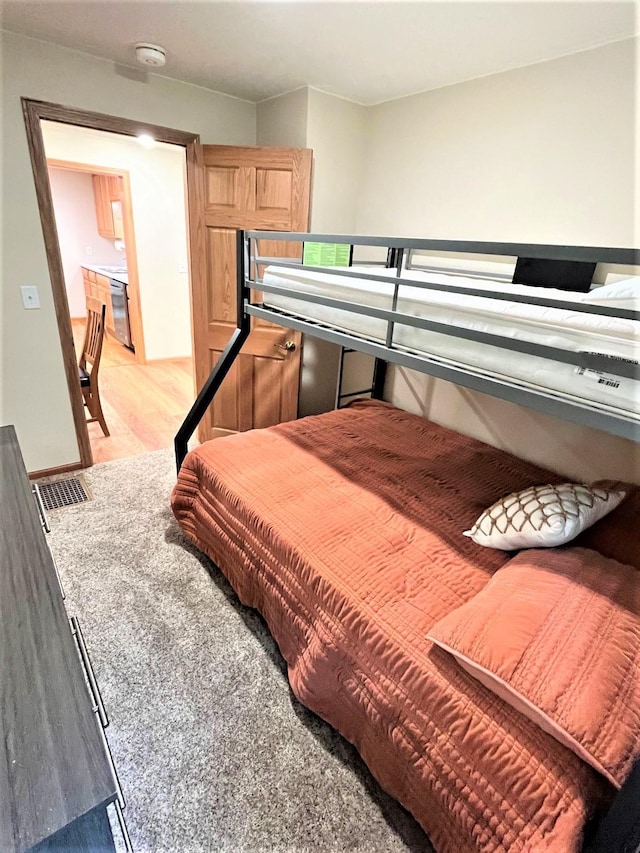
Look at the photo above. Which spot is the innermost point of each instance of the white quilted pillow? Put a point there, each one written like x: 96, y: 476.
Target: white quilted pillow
x: 543, y: 516
x: 621, y: 294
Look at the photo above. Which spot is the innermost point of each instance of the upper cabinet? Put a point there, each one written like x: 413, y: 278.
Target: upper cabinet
x: 108, y: 192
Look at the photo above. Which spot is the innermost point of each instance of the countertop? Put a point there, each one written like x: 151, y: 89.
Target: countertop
x: 117, y: 276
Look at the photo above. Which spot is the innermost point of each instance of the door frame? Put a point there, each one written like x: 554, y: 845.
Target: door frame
x: 133, y: 288
x: 36, y: 111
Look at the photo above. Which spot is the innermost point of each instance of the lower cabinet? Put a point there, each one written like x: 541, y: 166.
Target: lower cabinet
x: 99, y: 287
x: 89, y: 279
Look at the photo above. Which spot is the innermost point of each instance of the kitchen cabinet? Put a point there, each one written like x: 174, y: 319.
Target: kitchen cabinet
x: 99, y: 287
x: 104, y: 294
x: 108, y: 192
x: 90, y: 286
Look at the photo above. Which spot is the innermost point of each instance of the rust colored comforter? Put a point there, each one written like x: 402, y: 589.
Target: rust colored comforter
x: 345, y: 532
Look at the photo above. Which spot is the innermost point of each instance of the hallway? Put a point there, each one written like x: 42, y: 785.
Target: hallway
x: 143, y: 404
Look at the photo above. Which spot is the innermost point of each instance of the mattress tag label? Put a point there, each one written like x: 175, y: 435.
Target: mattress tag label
x: 597, y: 376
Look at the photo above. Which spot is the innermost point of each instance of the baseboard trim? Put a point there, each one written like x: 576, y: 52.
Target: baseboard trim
x: 166, y: 360
x: 51, y: 472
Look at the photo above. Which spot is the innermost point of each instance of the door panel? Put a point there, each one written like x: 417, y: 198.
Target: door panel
x: 253, y: 395
x: 273, y: 191
x: 232, y: 406
x: 222, y: 185
x: 248, y: 188
x: 221, y: 256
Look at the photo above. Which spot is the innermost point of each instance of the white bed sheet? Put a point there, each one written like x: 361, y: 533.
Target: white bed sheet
x: 559, y: 327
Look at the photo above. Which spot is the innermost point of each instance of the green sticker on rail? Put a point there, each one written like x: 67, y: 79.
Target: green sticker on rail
x: 326, y: 254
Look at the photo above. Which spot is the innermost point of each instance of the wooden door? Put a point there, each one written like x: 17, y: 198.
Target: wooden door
x: 246, y: 188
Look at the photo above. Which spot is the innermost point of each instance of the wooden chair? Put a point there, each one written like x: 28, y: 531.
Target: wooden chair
x: 90, y: 356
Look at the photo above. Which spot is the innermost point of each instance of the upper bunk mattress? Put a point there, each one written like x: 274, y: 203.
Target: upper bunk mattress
x: 345, y: 531
x: 564, y: 328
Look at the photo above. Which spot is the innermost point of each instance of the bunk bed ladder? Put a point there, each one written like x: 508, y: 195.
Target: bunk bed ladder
x: 227, y: 357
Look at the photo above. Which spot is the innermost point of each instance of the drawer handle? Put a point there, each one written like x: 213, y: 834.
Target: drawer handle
x: 123, y: 827
x: 43, y: 516
x: 93, y: 684
x: 287, y: 346
x: 55, y: 566
x: 107, y: 749
x: 98, y: 708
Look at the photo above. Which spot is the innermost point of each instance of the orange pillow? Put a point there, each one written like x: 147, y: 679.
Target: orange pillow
x: 556, y: 634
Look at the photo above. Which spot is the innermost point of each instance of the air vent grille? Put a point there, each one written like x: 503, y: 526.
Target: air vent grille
x: 63, y: 493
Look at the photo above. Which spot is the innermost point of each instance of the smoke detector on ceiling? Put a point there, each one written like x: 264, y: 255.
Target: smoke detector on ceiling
x: 151, y: 54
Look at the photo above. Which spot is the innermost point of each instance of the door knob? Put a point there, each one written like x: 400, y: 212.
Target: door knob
x: 287, y: 346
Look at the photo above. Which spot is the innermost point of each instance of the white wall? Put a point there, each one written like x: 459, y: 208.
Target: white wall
x: 334, y: 129
x: 337, y: 133
x: 282, y: 121
x: 156, y: 177
x: 74, y: 206
x: 47, y: 72
x: 542, y: 154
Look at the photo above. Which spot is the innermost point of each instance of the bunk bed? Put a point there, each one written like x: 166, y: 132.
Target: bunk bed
x: 344, y: 529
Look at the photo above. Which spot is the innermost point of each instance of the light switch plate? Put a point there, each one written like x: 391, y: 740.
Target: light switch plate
x: 182, y: 267
x: 30, y: 297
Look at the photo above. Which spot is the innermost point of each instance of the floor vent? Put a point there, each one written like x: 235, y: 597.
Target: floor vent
x: 63, y: 493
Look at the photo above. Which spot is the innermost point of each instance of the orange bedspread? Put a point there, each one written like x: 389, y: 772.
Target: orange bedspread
x: 345, y: 532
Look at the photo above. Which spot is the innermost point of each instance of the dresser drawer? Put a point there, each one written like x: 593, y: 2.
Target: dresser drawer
x: 52, y: 741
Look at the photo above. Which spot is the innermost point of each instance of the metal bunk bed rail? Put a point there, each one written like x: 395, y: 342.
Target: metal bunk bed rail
x: 600, y: 310
x: 575, y: 409
x: 547, y: 252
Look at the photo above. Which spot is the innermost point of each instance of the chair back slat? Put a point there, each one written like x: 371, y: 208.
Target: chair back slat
x: 94, y: 333
x: 91, y: 352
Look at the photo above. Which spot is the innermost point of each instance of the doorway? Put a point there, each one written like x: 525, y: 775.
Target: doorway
x: 145, y: 394
x: 134, y: 265
x: 96, y: 235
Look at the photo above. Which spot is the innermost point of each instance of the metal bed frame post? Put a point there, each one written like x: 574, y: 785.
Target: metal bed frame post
x: 394, y: 259
x: 227, y: 357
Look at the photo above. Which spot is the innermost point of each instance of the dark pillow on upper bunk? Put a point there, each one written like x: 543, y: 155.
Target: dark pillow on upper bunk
x: 562, y: 275
x: 618, y: 535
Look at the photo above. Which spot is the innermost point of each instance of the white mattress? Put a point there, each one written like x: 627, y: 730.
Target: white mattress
x: 559, y: 327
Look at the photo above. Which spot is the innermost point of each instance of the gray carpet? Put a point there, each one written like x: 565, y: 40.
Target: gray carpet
x: 213, y: 750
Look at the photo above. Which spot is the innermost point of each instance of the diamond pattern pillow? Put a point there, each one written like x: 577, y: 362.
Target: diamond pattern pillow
x: 543, y: 516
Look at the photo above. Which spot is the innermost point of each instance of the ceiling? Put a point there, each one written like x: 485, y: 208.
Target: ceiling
x: 364, y: 51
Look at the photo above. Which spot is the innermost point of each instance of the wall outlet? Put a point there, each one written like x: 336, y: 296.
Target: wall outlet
x: 30, y: 297
x: 89, y: 250
x: 183, y: 267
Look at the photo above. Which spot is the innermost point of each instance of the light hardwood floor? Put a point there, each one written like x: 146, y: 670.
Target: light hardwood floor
x: 143, y: 404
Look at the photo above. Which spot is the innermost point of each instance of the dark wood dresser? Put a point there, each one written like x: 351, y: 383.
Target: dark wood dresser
x: 56, y: 773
